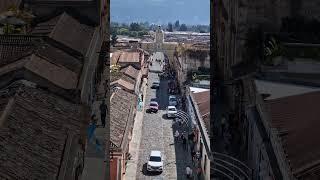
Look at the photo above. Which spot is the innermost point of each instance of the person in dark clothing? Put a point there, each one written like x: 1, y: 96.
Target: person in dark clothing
x: 103, y: 113
x: 199, y: 172
x: 184, y: 142
x: 193, y: 155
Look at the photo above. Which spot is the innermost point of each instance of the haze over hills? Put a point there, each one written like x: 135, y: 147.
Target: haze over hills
x: 192, y: 12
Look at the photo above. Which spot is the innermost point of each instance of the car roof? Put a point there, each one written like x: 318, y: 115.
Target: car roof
x: 155, y: 153
x: 172, y: 107
x: 172, y: 96
x: 153, y: 102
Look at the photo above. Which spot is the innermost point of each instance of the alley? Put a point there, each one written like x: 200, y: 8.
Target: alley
x: 157, y: 134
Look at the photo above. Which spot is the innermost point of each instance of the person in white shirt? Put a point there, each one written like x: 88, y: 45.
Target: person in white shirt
x: 188, y: 172
x: 176, y: 135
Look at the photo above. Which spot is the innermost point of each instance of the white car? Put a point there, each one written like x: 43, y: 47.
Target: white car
x: 171, y: 111
x: 172, y: 100
x: 155, y: 163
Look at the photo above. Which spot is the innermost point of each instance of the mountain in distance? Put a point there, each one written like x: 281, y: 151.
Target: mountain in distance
x: 191, y: 12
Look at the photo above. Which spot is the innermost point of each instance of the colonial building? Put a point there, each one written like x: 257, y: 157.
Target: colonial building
x: 58, y: 59
x: 189, y: 59
x: 53, y: 129
x: 122, y: 113
x: 159, y: 45
x: 198, y: 107
x: 240, y: 29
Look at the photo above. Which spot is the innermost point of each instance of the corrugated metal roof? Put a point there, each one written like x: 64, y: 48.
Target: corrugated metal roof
x: 297, y: 118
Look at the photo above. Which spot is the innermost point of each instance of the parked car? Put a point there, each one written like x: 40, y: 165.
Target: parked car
x: 153, y: 107
x: 173, y: 100
x: 155, y: 163
x: 155, y: 85
x: 171, y: 111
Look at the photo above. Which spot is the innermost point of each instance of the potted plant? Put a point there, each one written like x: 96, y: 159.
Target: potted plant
x: 273, y: 52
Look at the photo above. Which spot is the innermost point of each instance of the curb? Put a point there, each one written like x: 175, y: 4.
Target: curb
x: 134, y: 144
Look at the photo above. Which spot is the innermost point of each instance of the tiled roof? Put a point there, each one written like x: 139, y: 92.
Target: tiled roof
x: 127, y: 57
x: 131, y: 72
x: 203, y: 101
x: 114, y: 76
x: 12, y: 47
x: 124, y: 84
x: 115, y: 57
x: 58, y: 75
x: 40, y: 58
x: 120, y: 109
x: 33, y: 134
x: 54, y: 73
x: 68, y: 31
x: 297, y: 119
x: 61, y: 58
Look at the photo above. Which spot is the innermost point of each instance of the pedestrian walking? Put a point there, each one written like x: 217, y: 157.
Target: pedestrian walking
x: 184, y: 142
x: 180, y: 123
x: 188, y: 172
x: 103, y: 113
x: 198, y: 155
x: 199, y: 172
x: 193, y: 155
x: 176, y: 135
x: 94, y: 119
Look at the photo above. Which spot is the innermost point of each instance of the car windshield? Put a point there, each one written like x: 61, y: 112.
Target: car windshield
x: 156, y: 83
x: 155, y: 159
x: 172, y: 99
x: 172, y: 109
x: 153, y: 104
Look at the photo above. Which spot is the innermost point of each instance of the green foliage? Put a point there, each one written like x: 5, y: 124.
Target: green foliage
x: 114, y: 69
x: 273, y: 48
x: 135, y: 27
x: 9, y: 29
x: 133, y: 30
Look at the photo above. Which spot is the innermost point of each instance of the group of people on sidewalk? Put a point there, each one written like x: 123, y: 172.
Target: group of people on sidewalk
x: 189, y: 139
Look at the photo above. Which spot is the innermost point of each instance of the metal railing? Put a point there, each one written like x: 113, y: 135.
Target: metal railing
x: 230, y: 167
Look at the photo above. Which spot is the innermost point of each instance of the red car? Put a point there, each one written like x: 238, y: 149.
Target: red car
x: 153, y: 107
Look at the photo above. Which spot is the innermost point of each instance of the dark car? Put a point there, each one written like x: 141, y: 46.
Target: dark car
x: 155, y: 85
x: 153, y: 107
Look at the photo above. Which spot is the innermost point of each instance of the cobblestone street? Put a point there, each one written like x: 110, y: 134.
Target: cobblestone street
x: 157, y: 134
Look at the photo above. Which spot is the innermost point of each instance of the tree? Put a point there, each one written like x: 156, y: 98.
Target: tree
x: 183, y: 27
x: 170, y: 27
x: 135, y: 27
x: 114, y: 39
x: 123, y: 31
x: 177, y: 24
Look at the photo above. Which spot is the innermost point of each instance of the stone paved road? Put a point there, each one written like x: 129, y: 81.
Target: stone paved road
x: 157, y: 134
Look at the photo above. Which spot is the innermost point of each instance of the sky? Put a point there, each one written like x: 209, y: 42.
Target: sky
x: 190, y: 12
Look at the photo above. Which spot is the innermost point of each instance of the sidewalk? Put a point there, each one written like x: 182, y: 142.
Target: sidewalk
x: 134, y: 145
x: 95, y: 166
